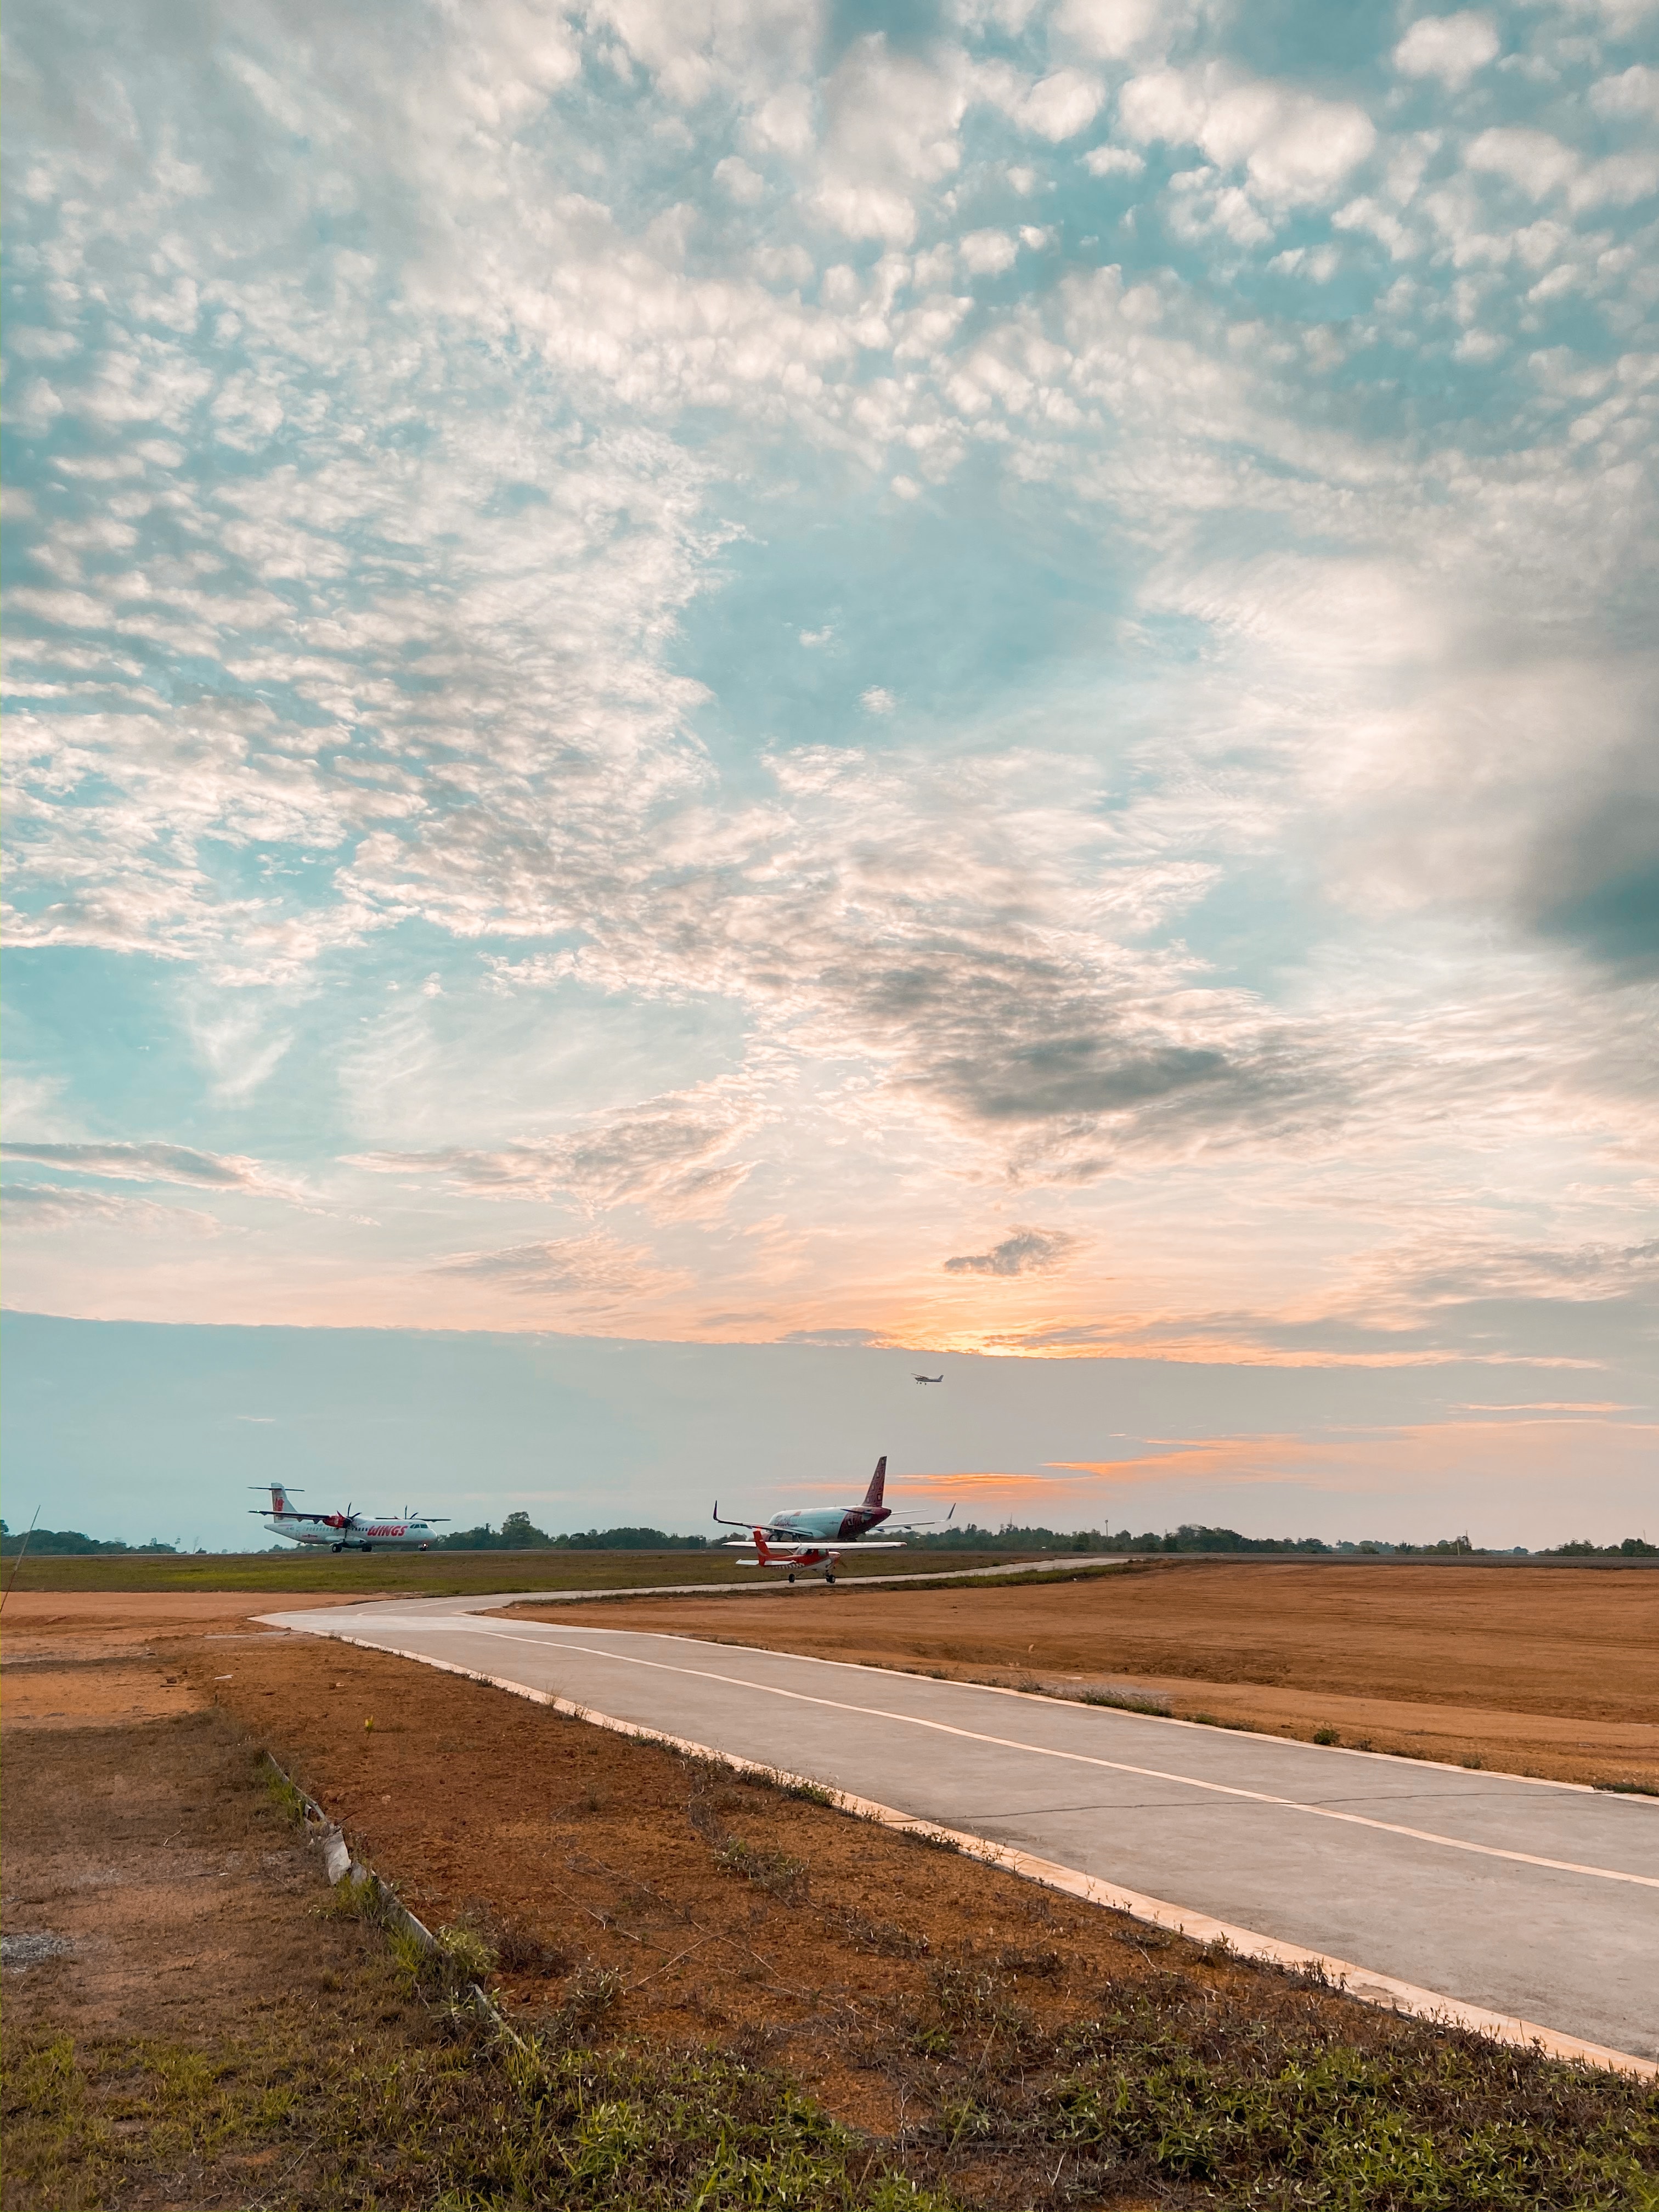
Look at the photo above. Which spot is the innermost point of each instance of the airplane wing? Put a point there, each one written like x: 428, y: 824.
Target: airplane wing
x: 806, y: 1548
x: 753, y: 1521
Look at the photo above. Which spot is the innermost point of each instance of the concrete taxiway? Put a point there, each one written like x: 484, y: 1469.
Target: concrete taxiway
x: 1534, y: 1902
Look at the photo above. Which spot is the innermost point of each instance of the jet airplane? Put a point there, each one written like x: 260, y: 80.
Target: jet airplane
x: 350, y: 1531
x: 816, y: 1538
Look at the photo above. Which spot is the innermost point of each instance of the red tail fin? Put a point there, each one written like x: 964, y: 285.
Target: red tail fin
x: 878, y: 1481
x: 761, y: 1553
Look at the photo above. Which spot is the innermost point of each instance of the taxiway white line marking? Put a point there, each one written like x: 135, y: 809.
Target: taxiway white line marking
x: 1356, y: 1981
x: 1078, y: 1758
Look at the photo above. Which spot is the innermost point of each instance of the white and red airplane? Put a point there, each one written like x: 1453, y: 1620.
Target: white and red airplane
x: 350, y: 1531
x: 816, y: 1538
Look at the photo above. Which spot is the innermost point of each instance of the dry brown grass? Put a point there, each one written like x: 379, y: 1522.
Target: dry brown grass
x: 686, y: 1954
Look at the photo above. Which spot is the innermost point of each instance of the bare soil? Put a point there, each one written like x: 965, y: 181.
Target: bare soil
x: 638, y: 1901
x: 607, y: 1856
x: 154, y: 1852
x: 180, y: 2047
x: 1534, y: 1672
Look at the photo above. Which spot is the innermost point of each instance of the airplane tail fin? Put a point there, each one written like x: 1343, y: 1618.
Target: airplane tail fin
x: 761, y: 1552
x: 279, y: 1498
x: 878, y: 1482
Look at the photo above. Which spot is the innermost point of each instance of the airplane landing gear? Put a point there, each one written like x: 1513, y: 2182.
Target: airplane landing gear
x: 337, y: 1547
x: 368, y: 1547
x: 827, y: 1577
x: 792, y: 1575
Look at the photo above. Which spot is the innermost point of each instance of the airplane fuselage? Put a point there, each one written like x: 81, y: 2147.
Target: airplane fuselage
x: 831, y: 1524
x: 362, y: 1536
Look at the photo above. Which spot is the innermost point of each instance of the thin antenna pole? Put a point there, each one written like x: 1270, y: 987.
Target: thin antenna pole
x: 27, y: 1532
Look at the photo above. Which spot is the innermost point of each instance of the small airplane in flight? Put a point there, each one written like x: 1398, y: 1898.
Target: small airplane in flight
x: 350, y: 1531
x: 927, y: 1378
x: 816, y: 1538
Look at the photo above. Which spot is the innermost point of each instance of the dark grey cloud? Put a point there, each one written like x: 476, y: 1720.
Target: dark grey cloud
x: 1596, y: 880
x: 1022, y: 1252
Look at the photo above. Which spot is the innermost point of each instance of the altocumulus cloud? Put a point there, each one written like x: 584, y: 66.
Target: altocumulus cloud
x: 1227, y: 805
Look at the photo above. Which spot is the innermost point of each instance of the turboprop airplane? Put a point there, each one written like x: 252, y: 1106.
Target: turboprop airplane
x: 350, y: 1531
x: 816, y: 1538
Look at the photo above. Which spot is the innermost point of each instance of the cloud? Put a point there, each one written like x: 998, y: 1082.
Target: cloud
x: 593, y: 1270
x: 1634, y: 93
x: 1022, y: 1252
x: 739, y: 181
x: 1059, y: 106
x: 1447, y: 1269
x: 1450, y: 48
x: 988, y: 252
x: 52, y: 1205
x: 137, y: 1162
x: 833, y: 1339
x: 1538, y: 164
x: 1398, y: 1461
x: 1268, y: 805
x: 1112, y: 30
x: 1114, y: 161
x: 666, y: 1155
x: 1294, y: 148
x: 893, y: 125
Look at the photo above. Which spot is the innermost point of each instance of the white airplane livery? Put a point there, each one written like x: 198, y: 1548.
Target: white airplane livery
x: 805, y: 1541
x: 350, y: 1531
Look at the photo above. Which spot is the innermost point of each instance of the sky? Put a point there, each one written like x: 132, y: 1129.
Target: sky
x: 737, y: 692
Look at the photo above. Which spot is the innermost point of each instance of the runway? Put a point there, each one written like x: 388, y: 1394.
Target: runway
x: 1535, y: 1901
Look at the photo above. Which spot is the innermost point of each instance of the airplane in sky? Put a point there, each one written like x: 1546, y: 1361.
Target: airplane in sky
x: 927, y: 1378
x: 350, y: 1531
x: 816, y: 1537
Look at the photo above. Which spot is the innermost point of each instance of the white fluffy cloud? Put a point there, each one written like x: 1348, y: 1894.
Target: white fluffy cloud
x: 1294, y: 148
x: 1061, y: 105
x: 1450, y: 48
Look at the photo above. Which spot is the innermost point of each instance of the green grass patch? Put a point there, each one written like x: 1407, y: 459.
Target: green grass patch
x: 459, y: 2127
x: 1433, y: 2123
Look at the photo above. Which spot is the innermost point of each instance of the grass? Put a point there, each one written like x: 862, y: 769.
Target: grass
x: 463, y: 2125
x: 1202, y: 2081
x: 1172, y: 2093
x: 451, y: 1574
x: 1123, y: 1701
